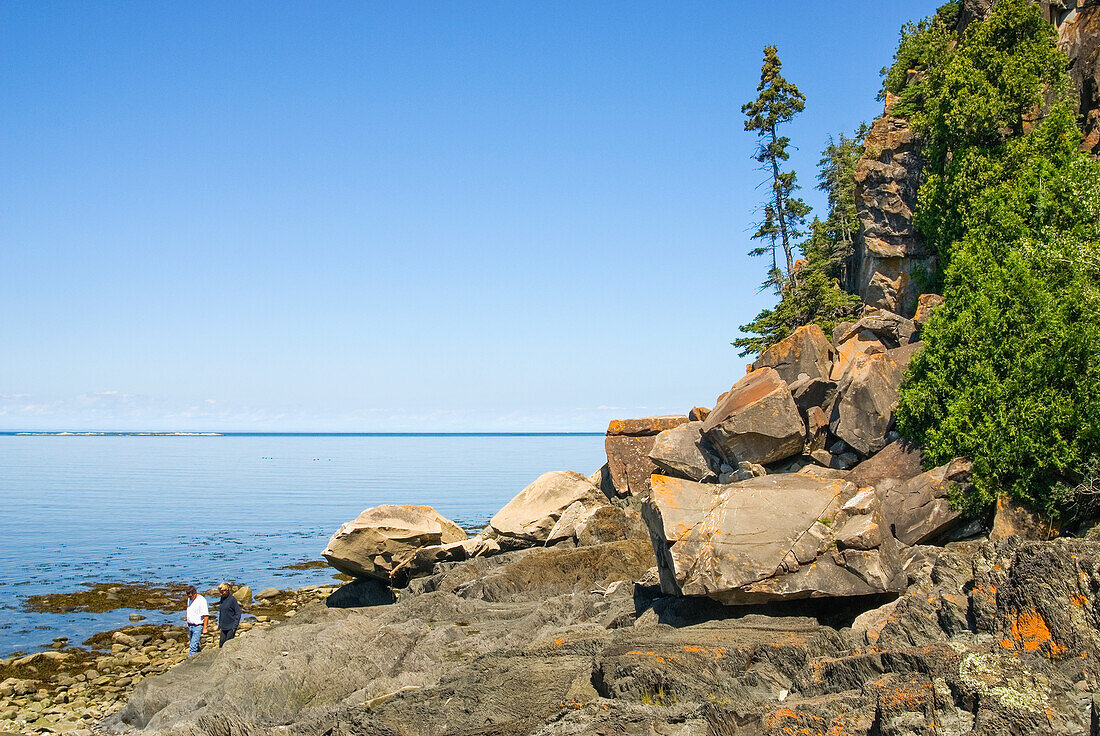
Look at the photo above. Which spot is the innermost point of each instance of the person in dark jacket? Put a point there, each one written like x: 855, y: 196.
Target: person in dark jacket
x: 229, y: 614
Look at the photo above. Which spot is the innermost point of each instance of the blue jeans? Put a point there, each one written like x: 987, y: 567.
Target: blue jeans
x: 194, y: 631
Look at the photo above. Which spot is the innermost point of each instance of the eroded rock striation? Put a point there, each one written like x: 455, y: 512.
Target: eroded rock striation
x: 988, y: 639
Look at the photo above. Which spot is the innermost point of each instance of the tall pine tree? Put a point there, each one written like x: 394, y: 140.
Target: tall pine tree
x: 776, y: 104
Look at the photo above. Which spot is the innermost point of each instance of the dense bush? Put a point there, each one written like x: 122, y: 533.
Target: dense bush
x: 1010, y: 371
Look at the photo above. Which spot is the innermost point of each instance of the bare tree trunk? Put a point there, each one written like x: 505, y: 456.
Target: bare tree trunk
x: 779, y: 213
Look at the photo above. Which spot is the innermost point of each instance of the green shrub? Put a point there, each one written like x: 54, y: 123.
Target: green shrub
x: 1010, y: 371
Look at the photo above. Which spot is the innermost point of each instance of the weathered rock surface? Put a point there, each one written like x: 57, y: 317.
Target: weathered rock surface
x: 385, y: 537
x: 756, y: 421
x: 889, y: 252
x: 628, y: 444
x: 926, y: 304
x: 529, y: 518
x: 611, y: 524
x: 866, y: 399
x: 806, y: 352
x: 892, y: 330
x: 892, y: 465
x: 918, y: 510
x: 990, y: 639
x: 1012, y: 519
x: 682, y: 452
x: 777, y: 537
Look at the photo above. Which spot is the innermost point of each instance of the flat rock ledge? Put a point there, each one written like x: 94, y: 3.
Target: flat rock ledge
x: 989, y: 638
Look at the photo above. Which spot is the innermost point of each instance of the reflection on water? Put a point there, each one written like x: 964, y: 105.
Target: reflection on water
x: 202, y: 509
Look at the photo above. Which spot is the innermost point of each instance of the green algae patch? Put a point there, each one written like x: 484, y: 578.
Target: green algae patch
x: 309, y: 565
x: 103, y: 597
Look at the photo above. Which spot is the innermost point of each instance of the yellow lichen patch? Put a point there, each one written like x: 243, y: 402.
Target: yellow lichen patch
x: 1079, y: 600
x: 559, y: 641
x: 1006, y: 680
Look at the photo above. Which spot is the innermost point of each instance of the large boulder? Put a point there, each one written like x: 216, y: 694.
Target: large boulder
x: 756, y: 421
x: 682, y: 452
x: 628, y: 444
x: 529, y: 518
x: 384, y: 538
x: 806, y: 352
x: 918, y: 510
x: 776, y: 537
x: 891, y: 466
x: 866, y: 398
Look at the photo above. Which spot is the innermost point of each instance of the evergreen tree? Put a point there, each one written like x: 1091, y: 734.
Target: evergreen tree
x: 837, y: 178
x: 814, y: 295
x: 1009, y: 372
x: 776, y: 104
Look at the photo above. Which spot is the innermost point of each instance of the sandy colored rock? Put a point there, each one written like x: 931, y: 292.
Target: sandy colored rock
x: 926, y: 304
x: 528, y: 518
x: 756, y: 421
x: 805, y: 353
x: 892, y: 330
x: 778, y: 537
x: 682, y: 452
x: 644, y: 426
x: 1013, y: 519
x: 243, y: 594
x: 382, y: 538
x: 610, y: 524
x: 698, y: 414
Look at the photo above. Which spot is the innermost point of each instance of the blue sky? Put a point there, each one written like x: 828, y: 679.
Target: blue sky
x: 365, y: 216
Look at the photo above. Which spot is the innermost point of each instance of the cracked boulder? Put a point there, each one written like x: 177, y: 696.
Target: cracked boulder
x: 682, y: 452
x: 756, y: 421
x: 530, y: 518
x: 805, y: 353
x: 918, y: 510
x: 386, y: 538
x: 866, y: 397
x: 776, y: 537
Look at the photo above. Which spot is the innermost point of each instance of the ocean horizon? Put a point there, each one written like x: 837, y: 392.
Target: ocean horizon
x: 84, y: 507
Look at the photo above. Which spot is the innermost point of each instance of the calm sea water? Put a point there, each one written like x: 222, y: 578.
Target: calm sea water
x: 202, y: 509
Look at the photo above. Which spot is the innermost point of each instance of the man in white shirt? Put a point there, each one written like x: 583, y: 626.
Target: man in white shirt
x: 197, y: 615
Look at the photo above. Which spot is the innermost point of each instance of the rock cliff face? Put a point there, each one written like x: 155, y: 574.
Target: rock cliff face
x: 890, y: 254
x: 1078, y: 26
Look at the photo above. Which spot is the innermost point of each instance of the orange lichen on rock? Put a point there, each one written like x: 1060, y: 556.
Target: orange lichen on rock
x: 1030, y: 632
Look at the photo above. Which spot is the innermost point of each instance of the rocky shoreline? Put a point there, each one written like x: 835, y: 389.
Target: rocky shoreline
x: 781, y: 563
x: 69, y: 689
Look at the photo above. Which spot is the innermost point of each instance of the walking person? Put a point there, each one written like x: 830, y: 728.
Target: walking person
x: 229, y: 615
x: 197, y: 615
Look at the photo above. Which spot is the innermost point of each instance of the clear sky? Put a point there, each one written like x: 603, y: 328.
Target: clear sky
x: 403, y: 216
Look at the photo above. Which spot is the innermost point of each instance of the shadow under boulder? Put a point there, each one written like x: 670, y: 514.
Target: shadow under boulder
x: 361, y: 593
